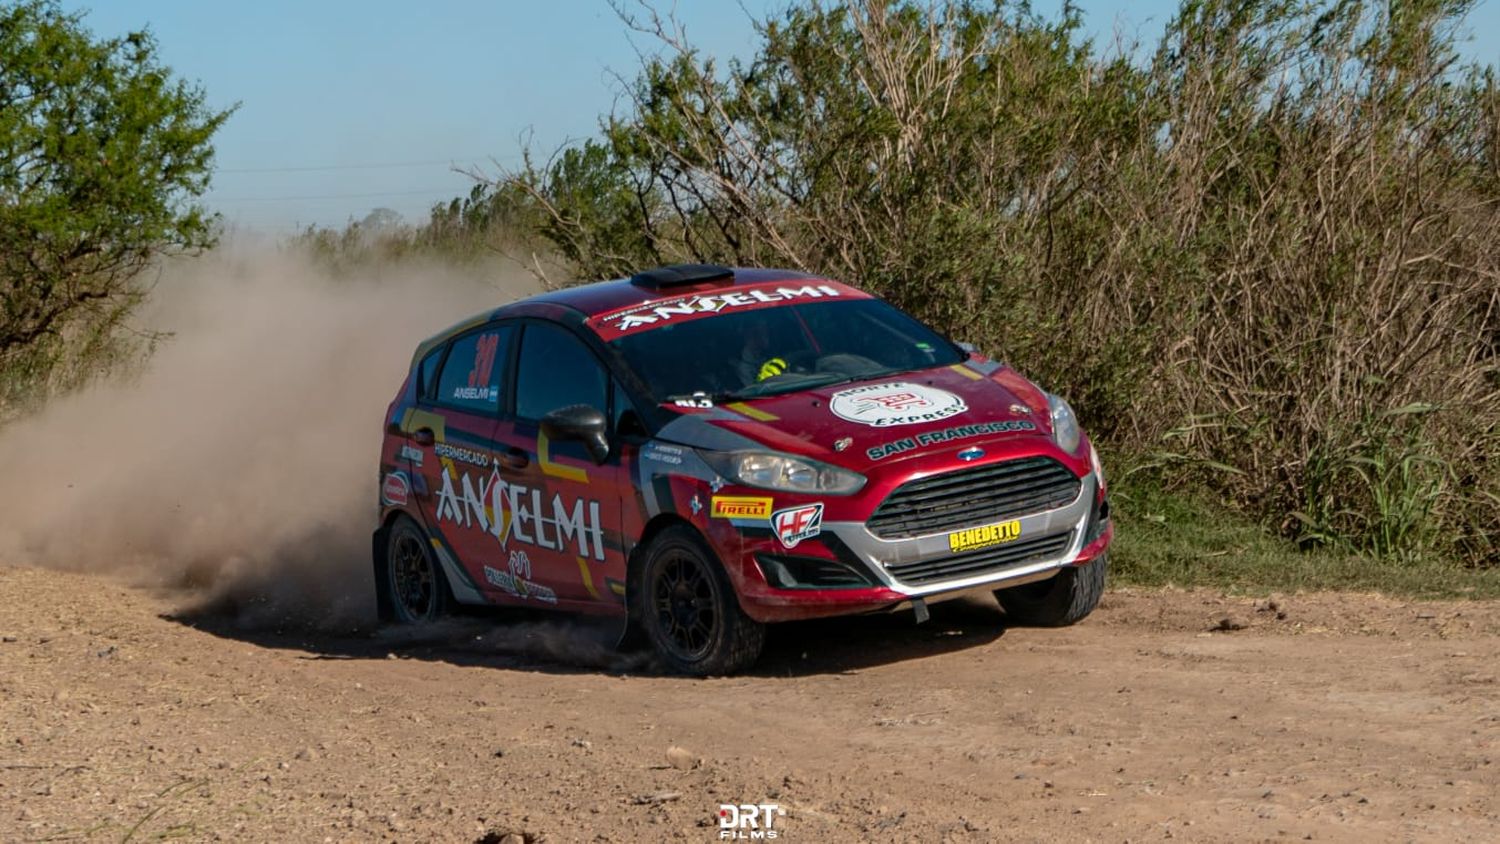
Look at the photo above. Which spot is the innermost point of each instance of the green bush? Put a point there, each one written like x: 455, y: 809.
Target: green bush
x: 105, y: 153
x: 1247, y: 255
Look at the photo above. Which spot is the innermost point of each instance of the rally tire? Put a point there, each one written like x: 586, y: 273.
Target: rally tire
x: 413, y: 578
x: 1060, y: 601
x: 688, y: 609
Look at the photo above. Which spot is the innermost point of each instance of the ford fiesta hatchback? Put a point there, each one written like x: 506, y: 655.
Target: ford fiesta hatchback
x: 705, y: 450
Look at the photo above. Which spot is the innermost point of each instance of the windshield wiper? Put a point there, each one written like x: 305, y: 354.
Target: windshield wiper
x: 871, y: 376
x: 806, y: 381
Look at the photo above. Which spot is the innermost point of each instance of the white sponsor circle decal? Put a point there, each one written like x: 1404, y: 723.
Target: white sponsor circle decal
x: 394, y: 489
x: 895, y: 403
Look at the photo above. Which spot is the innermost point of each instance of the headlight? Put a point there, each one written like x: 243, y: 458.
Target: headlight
x: 769, y: 470
x: 1064, y: 424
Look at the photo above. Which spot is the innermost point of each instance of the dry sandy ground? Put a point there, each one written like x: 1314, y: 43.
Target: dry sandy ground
x: 1328, y: 717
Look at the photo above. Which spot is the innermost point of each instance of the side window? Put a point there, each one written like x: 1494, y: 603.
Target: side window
x: 556, y: 370
x: 473, y: 371
x: 427, y: 374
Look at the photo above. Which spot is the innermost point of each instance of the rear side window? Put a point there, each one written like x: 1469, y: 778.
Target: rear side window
x: 472, y: 373
x: 427, y: 374
x: 557, y: 370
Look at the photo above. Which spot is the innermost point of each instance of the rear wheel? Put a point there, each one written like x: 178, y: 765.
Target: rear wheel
x: 419, y: 594
x: 1062, y: 600
x: 689, y: 610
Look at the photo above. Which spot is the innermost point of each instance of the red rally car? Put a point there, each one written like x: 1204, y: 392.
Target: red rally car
x: 704, y: 450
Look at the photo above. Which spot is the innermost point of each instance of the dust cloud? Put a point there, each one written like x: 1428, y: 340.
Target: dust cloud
x: 241, y: 463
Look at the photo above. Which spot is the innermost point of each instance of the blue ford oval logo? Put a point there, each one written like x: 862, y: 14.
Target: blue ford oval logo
x: 971, y: 454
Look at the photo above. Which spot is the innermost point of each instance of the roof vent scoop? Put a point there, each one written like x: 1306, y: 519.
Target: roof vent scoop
x: 678, y: 275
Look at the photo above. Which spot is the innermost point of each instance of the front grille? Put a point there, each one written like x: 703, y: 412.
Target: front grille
x: 972, y: 497
x: 988, y: 561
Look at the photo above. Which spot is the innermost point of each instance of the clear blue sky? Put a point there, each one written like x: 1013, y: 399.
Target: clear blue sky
x: 348, y: 106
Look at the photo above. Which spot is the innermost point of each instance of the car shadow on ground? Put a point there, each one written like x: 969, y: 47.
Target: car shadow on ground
x: 530, y: 640
x: 851, y: 643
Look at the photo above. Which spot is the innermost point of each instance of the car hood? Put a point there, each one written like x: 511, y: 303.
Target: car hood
x: 880, y: 421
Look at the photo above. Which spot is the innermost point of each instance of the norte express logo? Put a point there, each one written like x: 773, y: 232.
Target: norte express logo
x: 895, y: 403
x: 663, y: 310
x: 505, y: 510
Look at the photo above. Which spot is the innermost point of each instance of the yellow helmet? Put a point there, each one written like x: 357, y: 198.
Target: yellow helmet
x: 771, y: 369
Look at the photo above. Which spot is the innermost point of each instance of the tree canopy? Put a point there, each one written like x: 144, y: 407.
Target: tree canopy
x: 1263, y: 256
x: 104, y: 152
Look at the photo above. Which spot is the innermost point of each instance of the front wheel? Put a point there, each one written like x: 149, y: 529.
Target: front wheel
x: 1060, y: 601
x: 689, y: 610
x: 419, y: 594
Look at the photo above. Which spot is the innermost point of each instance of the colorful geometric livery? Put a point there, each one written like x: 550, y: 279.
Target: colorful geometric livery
x: 702, y: 451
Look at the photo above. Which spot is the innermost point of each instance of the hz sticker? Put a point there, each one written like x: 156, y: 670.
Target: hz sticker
x: 795, y: 524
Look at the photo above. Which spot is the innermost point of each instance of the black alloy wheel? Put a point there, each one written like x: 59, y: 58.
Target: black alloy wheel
x: 686, y: 603
x: 689, y: 609
x: 417, y: 589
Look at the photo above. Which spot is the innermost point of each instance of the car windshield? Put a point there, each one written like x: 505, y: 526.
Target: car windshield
x: 763, y: 352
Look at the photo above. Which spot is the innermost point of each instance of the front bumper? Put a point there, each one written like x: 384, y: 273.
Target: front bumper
x: 924, y: 567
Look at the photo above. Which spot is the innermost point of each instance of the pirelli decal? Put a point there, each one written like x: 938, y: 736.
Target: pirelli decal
x: 740, y: 507
x: 984, y: 537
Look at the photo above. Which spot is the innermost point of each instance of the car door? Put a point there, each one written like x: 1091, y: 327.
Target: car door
x: 452, y: 457
x: 563, y: 510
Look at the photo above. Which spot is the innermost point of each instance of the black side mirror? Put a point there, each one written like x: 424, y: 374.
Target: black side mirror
x: 580, y: 422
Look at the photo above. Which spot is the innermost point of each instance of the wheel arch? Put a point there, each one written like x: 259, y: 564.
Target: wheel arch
x: 738, y: 638
x: 379, y: 560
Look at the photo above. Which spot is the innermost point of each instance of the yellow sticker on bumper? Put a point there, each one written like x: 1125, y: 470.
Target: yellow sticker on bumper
x: 984, y: 537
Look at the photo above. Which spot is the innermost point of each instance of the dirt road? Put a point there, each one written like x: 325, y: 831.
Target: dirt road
x: 1327, y: 717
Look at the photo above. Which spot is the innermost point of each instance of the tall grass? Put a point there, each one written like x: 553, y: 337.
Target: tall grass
x: 1262, y: 258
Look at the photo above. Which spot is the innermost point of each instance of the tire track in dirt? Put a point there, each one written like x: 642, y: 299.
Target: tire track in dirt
x: 1351, y: 717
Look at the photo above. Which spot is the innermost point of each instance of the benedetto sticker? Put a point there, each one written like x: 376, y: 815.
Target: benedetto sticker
x: 984, y: 537
x: 895, y: 403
